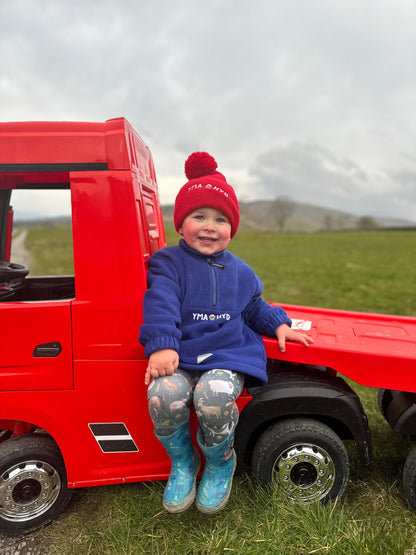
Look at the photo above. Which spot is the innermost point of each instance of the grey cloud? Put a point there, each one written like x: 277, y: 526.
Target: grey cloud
x: 311, y: 173
x: 238, y: 79
x: 404, y: 188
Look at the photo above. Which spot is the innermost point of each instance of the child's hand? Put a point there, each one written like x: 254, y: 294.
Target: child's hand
x: 161, y: 363
x: 285, y: 333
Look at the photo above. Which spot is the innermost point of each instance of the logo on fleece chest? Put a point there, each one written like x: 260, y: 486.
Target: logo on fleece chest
x: 205, y: 316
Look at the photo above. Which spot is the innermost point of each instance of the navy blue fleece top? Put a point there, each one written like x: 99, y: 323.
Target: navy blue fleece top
x: 208, y: 309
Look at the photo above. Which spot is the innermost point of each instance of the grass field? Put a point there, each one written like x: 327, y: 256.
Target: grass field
x: 51, y: 250
x: 365, y: 271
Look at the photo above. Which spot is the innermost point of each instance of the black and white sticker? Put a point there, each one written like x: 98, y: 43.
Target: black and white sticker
x: 113, y: 437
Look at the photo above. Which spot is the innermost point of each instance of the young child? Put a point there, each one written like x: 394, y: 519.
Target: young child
x: 203, y: 316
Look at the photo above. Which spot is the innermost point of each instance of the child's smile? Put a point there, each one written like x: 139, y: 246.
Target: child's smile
x: 206, y: 230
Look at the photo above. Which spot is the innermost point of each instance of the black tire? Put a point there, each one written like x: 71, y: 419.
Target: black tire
x: 305, y: 458
x: 384, y: 398
x: 409, y: 478
x: 33, y: 483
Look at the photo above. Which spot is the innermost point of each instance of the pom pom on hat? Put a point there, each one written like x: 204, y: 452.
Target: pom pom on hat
x: 206, y: 188
x: 199, y: 164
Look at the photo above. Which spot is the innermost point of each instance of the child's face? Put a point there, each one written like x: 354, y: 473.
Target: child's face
x: 206, y: 230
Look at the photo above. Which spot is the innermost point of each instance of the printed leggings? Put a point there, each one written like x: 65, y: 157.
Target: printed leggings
x: 213, y: 394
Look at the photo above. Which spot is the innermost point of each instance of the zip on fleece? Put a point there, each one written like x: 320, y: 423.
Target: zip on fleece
x: 214, y: 265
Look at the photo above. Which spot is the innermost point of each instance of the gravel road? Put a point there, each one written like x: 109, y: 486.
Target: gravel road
x: 20, y: 253
x: 29, y: 544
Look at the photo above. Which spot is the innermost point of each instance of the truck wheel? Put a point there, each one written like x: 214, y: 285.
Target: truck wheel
x: 384, y: 398
x: 305, y: 458
x: 33, y: 488
x: 409, y: 478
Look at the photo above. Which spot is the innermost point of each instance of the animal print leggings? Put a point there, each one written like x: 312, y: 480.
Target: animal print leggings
x: 213, y: 394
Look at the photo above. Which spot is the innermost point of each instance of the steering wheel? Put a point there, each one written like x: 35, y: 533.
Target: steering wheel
x: 11, y: 270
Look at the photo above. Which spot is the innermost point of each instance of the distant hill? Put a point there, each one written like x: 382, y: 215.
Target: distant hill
x: 266, y: 216
x: 26, y: 218
x: 299, y: 217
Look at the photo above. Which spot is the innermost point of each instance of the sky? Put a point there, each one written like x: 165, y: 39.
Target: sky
x: 314, y: 100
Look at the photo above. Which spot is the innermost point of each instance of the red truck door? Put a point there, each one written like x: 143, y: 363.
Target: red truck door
x: 36, y: 351
x: 35, y: 323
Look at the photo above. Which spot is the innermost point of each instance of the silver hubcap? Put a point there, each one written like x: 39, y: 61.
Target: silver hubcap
x: 27, y: 490
x: 306, y: 473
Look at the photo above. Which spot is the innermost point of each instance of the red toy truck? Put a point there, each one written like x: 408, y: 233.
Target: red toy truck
x: 73, y: 410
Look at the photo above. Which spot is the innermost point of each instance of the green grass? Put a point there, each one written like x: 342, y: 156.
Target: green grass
x: 365, y: 271
x: 51, y: 250
x: 129, y: 519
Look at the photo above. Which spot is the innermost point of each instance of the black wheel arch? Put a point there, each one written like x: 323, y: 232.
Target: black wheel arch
x: 399, y: 410
x: 302, y: 391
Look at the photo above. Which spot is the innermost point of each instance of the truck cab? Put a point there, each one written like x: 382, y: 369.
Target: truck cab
x: 73, y: 406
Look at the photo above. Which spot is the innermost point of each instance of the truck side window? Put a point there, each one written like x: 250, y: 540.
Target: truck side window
x: 153, y: 223
x: 144, y: 237
x: 150, y: 223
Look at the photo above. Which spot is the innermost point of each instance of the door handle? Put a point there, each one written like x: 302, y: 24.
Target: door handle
x: 49, y: 350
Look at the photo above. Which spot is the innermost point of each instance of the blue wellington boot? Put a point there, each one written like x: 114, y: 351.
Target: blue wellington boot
x: 215, y: 486
x: 181, y: 487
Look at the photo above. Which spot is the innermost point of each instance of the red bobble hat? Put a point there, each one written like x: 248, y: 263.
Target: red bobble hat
x: 206, y: 188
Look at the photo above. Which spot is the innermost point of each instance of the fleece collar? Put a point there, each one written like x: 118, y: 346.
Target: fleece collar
x: 217, y: 255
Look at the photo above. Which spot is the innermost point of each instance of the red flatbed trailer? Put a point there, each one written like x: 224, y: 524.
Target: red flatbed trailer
x: 374, y: 350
